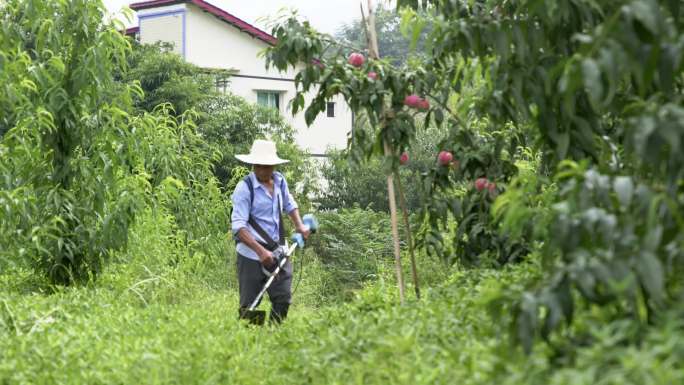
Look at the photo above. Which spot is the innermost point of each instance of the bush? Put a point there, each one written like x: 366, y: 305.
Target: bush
x: 66, y: 150
x: 226, y: 124
x: 352, y: 245
x: 352, y: 181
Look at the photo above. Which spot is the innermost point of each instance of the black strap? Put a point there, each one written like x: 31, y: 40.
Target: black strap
x: 270, y: 244
x: 281, y: 228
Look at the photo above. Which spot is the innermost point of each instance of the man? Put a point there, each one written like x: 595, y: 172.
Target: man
x: 257, y: 224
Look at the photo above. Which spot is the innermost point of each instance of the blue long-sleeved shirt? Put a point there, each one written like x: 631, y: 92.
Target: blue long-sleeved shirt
x: 264, y: 209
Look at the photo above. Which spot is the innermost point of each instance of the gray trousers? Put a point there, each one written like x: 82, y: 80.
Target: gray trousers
x: 251, y: 280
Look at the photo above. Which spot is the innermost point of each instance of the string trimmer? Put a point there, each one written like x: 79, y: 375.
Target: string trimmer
x: 281, y: 255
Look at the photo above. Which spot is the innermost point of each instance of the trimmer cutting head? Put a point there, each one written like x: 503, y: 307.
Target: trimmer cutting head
x: 254, y: 317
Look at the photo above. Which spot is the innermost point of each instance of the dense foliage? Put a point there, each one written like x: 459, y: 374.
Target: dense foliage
x: 227, y: 123
x: 558, y: 81
x: 392, y: 43
x: 95, y: 131
x: 359, y: 182
x: 70, y: 184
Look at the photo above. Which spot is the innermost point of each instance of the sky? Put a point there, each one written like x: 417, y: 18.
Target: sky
x: 324, y: 15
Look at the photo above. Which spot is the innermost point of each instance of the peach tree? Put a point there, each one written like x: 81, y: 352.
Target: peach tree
x: 77, y: 163
x: 67, y: 192
x: 392, y: 100
x: 595, y: 88
x: 600, y: 84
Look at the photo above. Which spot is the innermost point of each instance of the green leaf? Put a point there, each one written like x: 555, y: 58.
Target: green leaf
x: 502, y: 44
x: 644, y: 127
x: 653, y: 238
x: 624, y: 189
x: 586, y: 283
x: 526, y: 322
x: 592, y: 82
x: 554, y: 314
x: 647, y: 14
x: 650, y: 272
x: 565, y: 299
x: 562, y: 144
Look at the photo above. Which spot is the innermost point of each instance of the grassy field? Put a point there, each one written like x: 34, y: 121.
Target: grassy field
x: 156, y: 319
x: 190, y: 334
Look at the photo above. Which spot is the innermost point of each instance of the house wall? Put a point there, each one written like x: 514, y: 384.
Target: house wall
x: 212, y: 43
x: 209, y: 42
x: 164, y: 24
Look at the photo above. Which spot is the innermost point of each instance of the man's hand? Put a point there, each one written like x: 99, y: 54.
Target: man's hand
x: 299, y: 226
x: 266, y: 257
x: 304, y: 231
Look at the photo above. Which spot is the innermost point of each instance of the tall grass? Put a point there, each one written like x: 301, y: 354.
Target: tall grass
x: 163, y: 315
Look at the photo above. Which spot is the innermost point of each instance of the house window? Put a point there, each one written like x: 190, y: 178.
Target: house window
x: 269, y: 99
x: 222, y: 85
x: 331, y: 109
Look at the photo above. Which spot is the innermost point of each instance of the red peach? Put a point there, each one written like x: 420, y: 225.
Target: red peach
x: 412, y: 100
x: 423, y: 104
x: 404, y: 158
x: 445, y: 157
x: 356, y: 59
x: 481, y: 183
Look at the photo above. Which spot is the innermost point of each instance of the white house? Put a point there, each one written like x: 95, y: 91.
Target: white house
x: 212, y: 38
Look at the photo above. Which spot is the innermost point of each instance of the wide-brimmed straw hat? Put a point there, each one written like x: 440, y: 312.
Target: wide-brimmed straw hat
x: 263, y: 152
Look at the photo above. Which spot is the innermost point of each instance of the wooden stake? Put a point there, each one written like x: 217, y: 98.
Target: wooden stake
x: 374, y: 53
x: 395, y: 228
x: 409, y: 239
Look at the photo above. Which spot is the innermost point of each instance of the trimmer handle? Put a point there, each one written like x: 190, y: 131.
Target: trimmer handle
x: 298, y: 239
x: 311, y: 224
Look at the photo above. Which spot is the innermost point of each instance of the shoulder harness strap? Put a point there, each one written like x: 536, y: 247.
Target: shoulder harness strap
x: 270, y: 243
